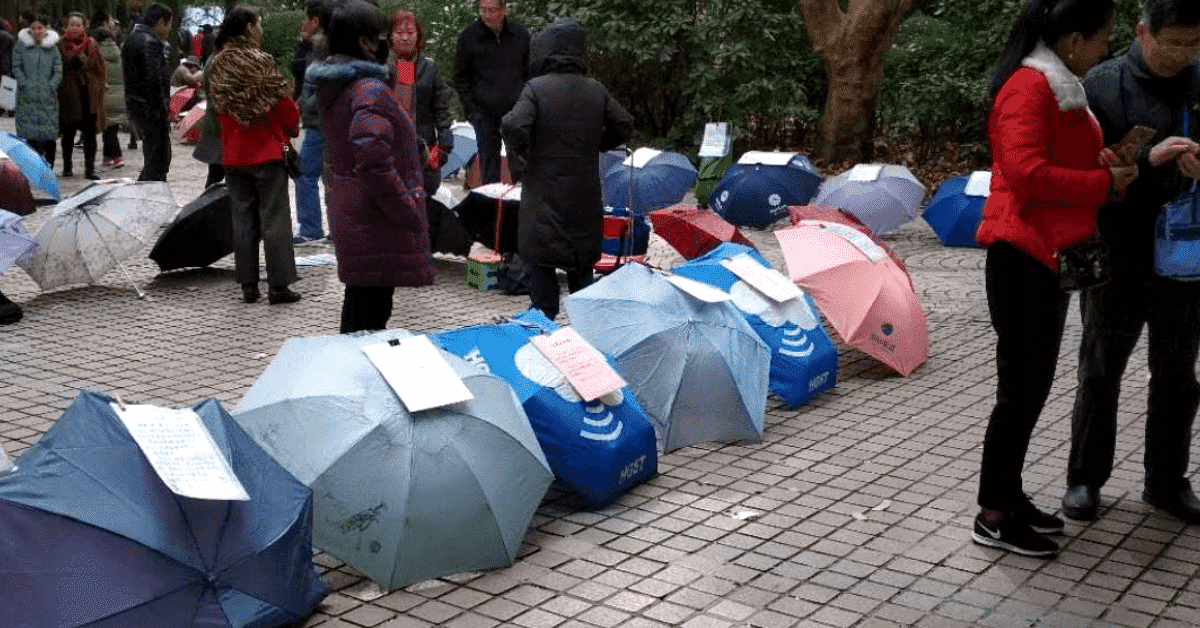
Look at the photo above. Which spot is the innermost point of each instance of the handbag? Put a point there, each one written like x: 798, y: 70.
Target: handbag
x: 1084, y: 264
x: 291, y: 160
x: 1177, y: 233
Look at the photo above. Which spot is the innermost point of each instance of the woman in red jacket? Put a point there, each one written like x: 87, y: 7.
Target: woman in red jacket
x: 1047, y: 183
x: 257, y: 116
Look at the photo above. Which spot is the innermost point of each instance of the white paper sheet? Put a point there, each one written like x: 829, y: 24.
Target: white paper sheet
x: 585, y: 368
x: 716, y: 140
x: 768, y: 281
x: 859, y: 239
x: 980, y: 183
x: 698, y: 289
x: 6, y: 463
x: 766, y: 158
x: 182, y: 452
x: 865, y: 172
x: 641, y: 156
x: 416, y: 370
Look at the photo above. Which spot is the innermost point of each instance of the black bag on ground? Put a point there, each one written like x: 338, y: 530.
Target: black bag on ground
x: 514, y: 275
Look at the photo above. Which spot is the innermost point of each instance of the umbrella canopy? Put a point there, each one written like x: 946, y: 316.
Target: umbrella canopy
x: 694, y: 231
x: 189, y: 127
x: 35, y: 168
x: 756, y: 191
x: 14, y: 241
x: 179, y: 98
x: 659, y: 179
x: 446, y: 231
x: 881, y: 196
x: 600, y: 448
x: 957, y: 209
x: 96, y: 229
x: 710, y: 173
x: 15, y: 195
x: 91, y: 536
x: 402, y: 497
x: 803, y: 360
x: 485, y: 206
x: 865, y: 296
x: 826, y: 213
x: 697, y: 368
x: 465, y: 148
x: 201, y: 234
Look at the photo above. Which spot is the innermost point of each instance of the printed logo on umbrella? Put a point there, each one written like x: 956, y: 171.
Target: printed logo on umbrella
x: 886, y: 329
x: 599, y: 419
x: 795, y: 312
x: 774, y: 200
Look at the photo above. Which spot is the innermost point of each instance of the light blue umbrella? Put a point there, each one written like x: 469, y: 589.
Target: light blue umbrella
x: 659, y: 179
x: 465, y: 147
x: 402, y: 497
x: 32, y: 164
x: 881, y: 196
x: 14, y: 240
x: 697, y: 368
x: 757, y: 190
x: 954, y: 213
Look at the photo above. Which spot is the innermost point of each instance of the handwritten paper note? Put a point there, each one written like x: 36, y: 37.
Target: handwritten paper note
x: 979, y: 184
x: 182, y: 452
x: 416, y: 370
x: 865, y: 172
x: 766, y: 158
x: 698, y: 289
x: 766, y: 280
x: 585, y: 367
x: 873, y: 251
x: 716, y: 140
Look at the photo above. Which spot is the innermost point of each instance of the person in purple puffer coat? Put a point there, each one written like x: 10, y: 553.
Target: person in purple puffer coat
x: 376, y: 197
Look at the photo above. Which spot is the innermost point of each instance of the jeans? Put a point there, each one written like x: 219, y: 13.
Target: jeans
x: 366, y: 308
x: 543, y: 286
x: 156, y: 148
x: 308, y: 196
x: 261, y: 212
x: 1029, y: 312
x: 487, y: 137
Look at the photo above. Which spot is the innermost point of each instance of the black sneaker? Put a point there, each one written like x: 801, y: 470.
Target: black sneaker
x: 1015, y: 536
x: 1040, y: 522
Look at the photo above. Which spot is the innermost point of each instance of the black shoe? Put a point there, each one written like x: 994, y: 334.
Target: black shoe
x: 1040, y: 522
x: 1015, y: 536
x: 1080, y: 502
x: 67, y: 173
x: 9, y: 312
x: 277, y: 295
x: 1182, y: 503
x: 91, y: 176
x: 249, y: 292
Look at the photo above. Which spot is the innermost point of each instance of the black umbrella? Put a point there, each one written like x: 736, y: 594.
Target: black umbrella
x: 201, y: 234
x: 446, y: 231
x: 485, y: 207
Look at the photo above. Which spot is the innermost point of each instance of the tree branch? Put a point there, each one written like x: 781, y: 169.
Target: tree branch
x: 822, y: 20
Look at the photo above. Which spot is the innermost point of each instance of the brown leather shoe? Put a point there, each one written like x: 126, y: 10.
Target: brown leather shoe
x: 277, y: 295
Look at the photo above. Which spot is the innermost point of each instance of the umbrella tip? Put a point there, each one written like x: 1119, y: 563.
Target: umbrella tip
x: 119, y: 400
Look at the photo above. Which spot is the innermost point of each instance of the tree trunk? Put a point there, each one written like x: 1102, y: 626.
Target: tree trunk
x: 851, y: 45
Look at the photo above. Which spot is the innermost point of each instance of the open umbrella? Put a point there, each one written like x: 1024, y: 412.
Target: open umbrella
x: 189, y: 127
x: 446, y: 231
x: 756, y: 191
x: 14, y: 241
x: 15, y: 195
x: 825, y: 213
x: 659, y: 179
x: 401, y: 496
x: 803, y: 360
x: 865, y: 296
x: 694, y: 231
x: 485, y: 207
x: 97, y: 228
x: 709, y: 175
x: 201, y: 233
x: 179, y: 98
x: 599, y: 448
x: 35, y: 168
x: 90, y: 535
x: 957, y: 208
x: 697, y: 368
x: 465, y: 148
x: 881, y: 196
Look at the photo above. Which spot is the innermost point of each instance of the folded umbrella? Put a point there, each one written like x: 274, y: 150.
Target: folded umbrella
x: 957, y: 209
x: 756, y: 191
x: 709, y: 175
x: 697, y: 368
x: 35, y: 168
x: 14, y: 240
x: 201, y: 234
x: 694, y: 231
x: 464, y: 149
x: 865, y: 296
x: 401, y: 496
x: 15, y: 195
x: 881, y: 196
x: 90, y: 535
x: 485, y: 207
x: 826, y: 213
x: 648, y: 179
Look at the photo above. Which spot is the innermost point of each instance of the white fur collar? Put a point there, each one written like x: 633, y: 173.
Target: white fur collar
x: 1068, y: 91
x: 49, y: 41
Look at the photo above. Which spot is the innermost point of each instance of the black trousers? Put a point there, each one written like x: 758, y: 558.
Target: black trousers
x: 262, y: 212
x: 111, y: 143
x: 543, y: 286
x: 156, y: 148
x: 1113, y: 317
x: 366, y: 308
x: 87, y: 129
x: 1028, y: 312
x: 45, y: 148
x: 487, y: 137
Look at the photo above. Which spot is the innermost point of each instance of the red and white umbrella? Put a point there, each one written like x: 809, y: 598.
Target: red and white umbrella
x: 189, y: 128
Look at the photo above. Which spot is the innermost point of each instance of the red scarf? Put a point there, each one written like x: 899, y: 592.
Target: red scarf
x: 406, y: 75
x: 76, y: 42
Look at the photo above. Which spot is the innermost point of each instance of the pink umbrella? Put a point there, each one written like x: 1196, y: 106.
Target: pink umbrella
x: 189, y: 128
x: 179, y: 98
x: 865, y: 296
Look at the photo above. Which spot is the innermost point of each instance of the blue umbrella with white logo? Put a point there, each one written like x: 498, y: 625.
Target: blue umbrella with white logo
x: 957, y: 209
x: 756, y: 191
x: 649, y: 179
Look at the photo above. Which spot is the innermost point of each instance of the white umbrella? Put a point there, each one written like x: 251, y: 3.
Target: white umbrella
x: 96, y: 229
x: 14, y: 241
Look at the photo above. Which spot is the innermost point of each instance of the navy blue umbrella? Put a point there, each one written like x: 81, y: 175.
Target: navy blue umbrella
x: 955, y: 211
x: 649, y: 179
x: 91, y: 536
x: 757, y: 190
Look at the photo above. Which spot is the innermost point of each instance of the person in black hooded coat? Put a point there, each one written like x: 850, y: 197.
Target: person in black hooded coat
x: 561, y: 123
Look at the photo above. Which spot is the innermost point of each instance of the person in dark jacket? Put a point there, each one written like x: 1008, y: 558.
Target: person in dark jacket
x: 7, y: 41
x: 1150, y: 84
x: 557, y: 130
x: 37, y: 66
x: 148, y: 89
x: 376, y: 196
x: 312, y: 47
x: 491, y: 65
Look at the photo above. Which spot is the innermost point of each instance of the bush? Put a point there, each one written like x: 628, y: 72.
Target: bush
x: 279, y: 36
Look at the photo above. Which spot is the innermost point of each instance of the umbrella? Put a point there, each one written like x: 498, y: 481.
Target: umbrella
x: 486, y: 206
x: 446, y: 231
x: 756, y: 191
x: 189, y: 127
x: 15, y: 195
x: 697, y: 368
x: 694, y: 231
x: 93, y: 230
x: 600, y: 448
x: 957, y: 208
x: 865, y: 296
x: 35, y: 168
x: 465, y: 147
x: 803, y: 360
x: 14, y: 241
x: 402, y: 497
x: 201, y: 233
x: 880, y: 196
x: 179, y: 98
x: 710, y: 173
x: 826, y: 213
x: 91, y: 536
x: 659, y: 179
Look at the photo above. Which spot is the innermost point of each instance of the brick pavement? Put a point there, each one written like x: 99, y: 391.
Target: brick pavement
x: 670, y: 553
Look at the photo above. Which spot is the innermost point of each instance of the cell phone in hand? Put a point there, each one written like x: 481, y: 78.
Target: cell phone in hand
x: 1131, y: 145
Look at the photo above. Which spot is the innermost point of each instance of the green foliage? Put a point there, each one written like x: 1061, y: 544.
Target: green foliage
x: 279, y: 36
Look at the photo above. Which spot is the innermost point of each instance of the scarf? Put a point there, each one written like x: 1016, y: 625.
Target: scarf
x: 245, y: 82
x: 405, y: 77
x: 75, y: 43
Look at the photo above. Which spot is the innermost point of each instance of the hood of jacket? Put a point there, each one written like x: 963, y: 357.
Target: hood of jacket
x: 337, y: 72
x: 1067, y: 88
x: 49, y: 41
x: 558, y: 48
